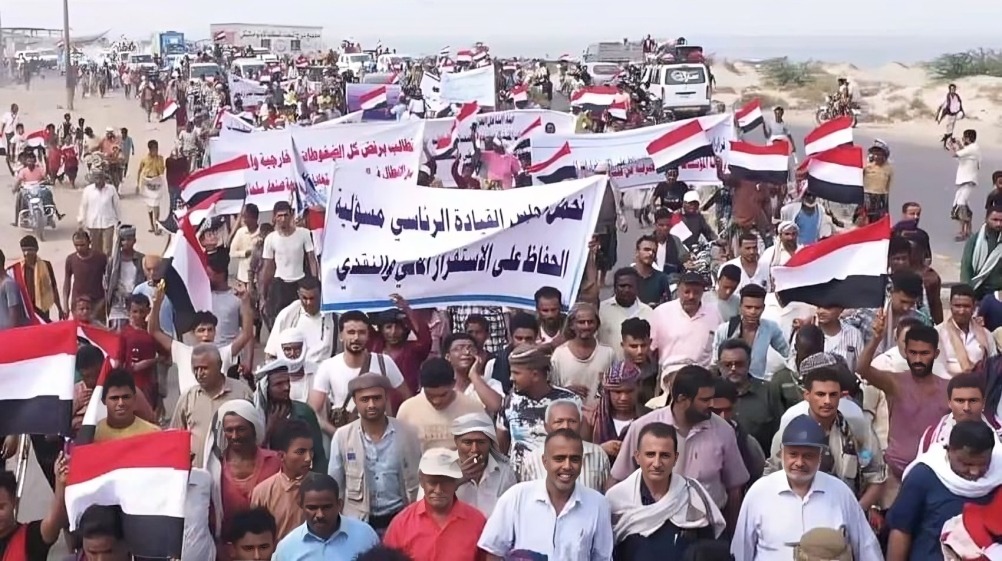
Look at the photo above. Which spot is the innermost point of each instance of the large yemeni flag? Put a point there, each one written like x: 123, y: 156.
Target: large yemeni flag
x: 595, y: 98
x: 836, y: 175
x: 828, y: 135
x: 558, y: 167
x: 373, y: 99
x: 765, y: 164
x: 147, y: 476
x: 680, y: 145
x: 848, y: 270
x: 186, y: 280
x: 228, y: 177
x: 37, y: 369
x: 749, y: 116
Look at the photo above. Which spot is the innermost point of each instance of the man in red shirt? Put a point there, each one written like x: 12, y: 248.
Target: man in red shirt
x: 395, y: 328
x: 140, y: 349
x: 438, y: 527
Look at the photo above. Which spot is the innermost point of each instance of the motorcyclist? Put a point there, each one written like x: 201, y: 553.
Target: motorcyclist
x: 843, y: 96
x: 29, y: 173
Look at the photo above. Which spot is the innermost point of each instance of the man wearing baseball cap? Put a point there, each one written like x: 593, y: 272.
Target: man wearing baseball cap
x: 438, y: 527
x: 781, y: 507
x: 694, y: 220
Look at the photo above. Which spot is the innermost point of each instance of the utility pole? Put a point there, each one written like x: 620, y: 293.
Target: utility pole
x: 68, y: 55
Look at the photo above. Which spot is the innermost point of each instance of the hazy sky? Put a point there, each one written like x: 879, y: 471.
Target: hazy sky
x: 426, y: 25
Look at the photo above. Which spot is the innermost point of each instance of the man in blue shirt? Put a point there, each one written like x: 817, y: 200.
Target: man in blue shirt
x: 326, y: 534
x: 937, y: 486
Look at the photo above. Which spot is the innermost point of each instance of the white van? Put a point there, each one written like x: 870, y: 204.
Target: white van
x: 204, y: 71
x: 684, y: 88
x: 248, y: 67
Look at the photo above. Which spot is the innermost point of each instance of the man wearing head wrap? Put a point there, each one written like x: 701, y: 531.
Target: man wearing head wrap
x: 236, y: 459
x: 39, y: 280
x: 618, y: 406
x: 780, y: 253
x: 318, y: 330
x: 125, y: 274
x: 293, y: 348
x: 814, y: 221
x: 487, y: 474
x: 522, y: 418
x: 273, y: 400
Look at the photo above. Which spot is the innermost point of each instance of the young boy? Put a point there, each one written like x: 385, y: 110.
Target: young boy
x: 280, y: 492
x: 140, y: 349
x: 251, y: 535
x: 71, y: 161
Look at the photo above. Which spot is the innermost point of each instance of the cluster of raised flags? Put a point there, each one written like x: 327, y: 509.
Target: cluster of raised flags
x: 834, y: 167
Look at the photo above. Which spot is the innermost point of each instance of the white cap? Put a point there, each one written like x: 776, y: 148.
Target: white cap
x: 441, y: 461
x: 690, y: 197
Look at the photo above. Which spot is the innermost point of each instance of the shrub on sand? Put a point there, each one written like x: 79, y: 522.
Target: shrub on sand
x: 782, y: 73
x: 975, y: 62
x: 768, y: 102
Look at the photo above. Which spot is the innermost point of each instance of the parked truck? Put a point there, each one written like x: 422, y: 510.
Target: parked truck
x: 167, y: 43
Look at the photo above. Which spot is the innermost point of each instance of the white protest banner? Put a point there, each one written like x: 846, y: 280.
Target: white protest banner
x: 431, y: 92
x: 443, y: 247
x: 251, y: 92
x: 353, y: 117
x: 629, y: 148
x: 509, y: 126
x: 230, y: 124
x: 391, y: 150
x: 471, y: 85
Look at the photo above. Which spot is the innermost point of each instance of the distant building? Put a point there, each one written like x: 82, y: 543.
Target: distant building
x: 279, y: 39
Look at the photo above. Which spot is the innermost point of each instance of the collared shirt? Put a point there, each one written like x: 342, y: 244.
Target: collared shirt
x: 484, y: 494
x: 280, y: 495
x: 382, y: 471
x: 198, y: 542
x: 975, y: 352
x: 758, y: 410
x: 352, y: 538
x: 847, y: 343
x: 611, y: 317
x: 680, y: 338
x: 416, y: 532
x: 711, y: 454
x: 525, y: 520
x: 768, y: 335
x: 595, y: 467
x: 773, y: 518
x: 196, y: 408
x: 99, y: 208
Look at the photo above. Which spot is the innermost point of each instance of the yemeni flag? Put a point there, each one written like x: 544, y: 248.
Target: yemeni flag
x: 519, y: 93
x: 595, y: 98
x: 680, y: 145
x: 848, y: 270
x: 828, y: 135
x: 765, y: 164
x: 558, y: 167
x: 446, y: 146
x: 373, y: 99
x: 836, y: 175
x: 228, y: 179
x: 110, y: 344
x: 147, y: 477
x: 16, y: 272
x: 37, y: 370
x: 170, y: 111
x: 186, y: 279
x: 522, y: 141
x: 749, y: 116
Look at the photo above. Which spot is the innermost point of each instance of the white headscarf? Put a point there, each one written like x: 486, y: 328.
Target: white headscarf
x: 280, y: 364
x: 937, y: 460
x: 215, y: 444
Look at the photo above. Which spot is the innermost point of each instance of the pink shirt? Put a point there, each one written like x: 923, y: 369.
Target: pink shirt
x: 29, y: 175
x: 501, y: 167
x: 711, y: 454
x: 683, y: 339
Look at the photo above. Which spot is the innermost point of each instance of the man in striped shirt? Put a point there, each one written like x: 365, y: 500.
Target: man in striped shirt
x: 840, y: 338
x: 595, y: 465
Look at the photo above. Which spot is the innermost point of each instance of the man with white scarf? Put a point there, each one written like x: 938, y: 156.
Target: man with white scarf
x: 966, y: 398
x: 657, y: 514
x: 319, y: 330
x: 273, y: 398
x: 292, y: 347
x: 937, y: 485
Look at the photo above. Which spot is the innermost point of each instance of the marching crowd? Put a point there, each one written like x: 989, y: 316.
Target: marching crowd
x: 676, y: 419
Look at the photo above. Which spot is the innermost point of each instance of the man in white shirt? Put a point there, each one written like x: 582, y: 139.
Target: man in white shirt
x: 963, y: 342
x: 304, y: 314
x: 244, y: 241
x: 287, y: 253
x: 329, y: 397
x: 968, y: 155
x: 752, y: 271
x: 8, y: 123
x: 623, y: 305
x: 553, y: 518
x: 100, y: 211
x: 781, y: 507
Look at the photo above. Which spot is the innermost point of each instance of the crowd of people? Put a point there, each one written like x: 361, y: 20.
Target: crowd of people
x: 683, y: 417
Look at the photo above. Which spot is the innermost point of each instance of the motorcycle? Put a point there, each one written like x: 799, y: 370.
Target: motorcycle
x: 827, y: 111
x: 37, y: 210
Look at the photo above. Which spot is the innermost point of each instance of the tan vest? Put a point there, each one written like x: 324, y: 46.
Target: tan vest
x: 348, y: 443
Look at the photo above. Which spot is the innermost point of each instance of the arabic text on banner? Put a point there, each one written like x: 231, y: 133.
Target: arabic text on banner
x: 382, y: 150
x: 626, y: 151
x: 443, y: 247
x: 471, y: 85
x: 505, y: 125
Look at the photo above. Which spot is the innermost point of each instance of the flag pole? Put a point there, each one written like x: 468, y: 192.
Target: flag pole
x: 21, y: 472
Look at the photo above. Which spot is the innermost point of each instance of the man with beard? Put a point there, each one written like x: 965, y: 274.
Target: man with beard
x: 375, y: 458
x: 304, y: 314
x: 330, y: 397
x: 915, y: 398
x: 580, y: 363
x: 566, y: 414
x: 273, y: 399
x: 553, y: 518
x: 326, y: 534
x: 439, y: 527
x: 979, y: 263
x: 709, y: 452
x: 758, y: 408
x: 551, y: 318
x: 783, y: 506
x: 682, y: 330
x: 778, y: 254
x: 941, y: 484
